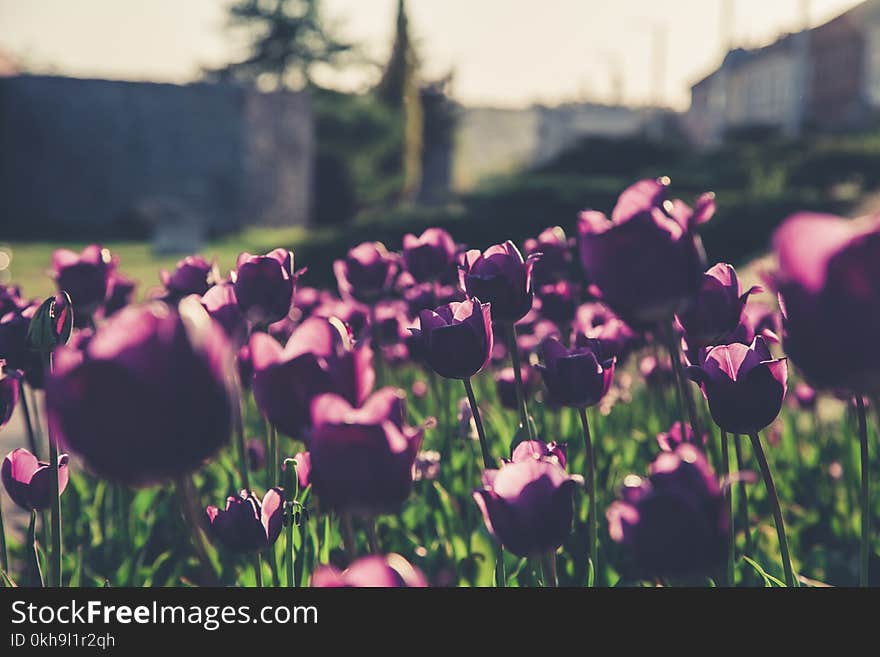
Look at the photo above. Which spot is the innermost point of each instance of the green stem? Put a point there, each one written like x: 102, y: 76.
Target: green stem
x: 373, y: 536
x: 728, y: 495
x: 488, y: 463
x: 270, y: 455
x: 33, y: 555
x: 548, y: 565
x: 510, y: 334
x: 193, y: 520
x: 28, y: 423
x: 349, y: 543
x: 864, y: 500
x: 258, y: 570
x: 743, y: 506
x: 686, y: 407
x: 777, y: 510
x: 55, y: 567
x: 243, y: 469
x: 591, y: 493
x: 291, y: 554
x: 4, y: 559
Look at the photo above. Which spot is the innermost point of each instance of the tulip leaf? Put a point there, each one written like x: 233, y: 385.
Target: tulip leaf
x: 769, y: 580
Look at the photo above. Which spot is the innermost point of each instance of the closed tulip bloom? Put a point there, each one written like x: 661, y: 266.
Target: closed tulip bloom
x: 647, y: 261
x: 222, y: 305
x: 527, y: 505
x: 149, y: 397
x: 674, y: 523
x: 558, y: 301
x: 717, y: 308
x: 120, y: 293
x: 456, y: 339
x: 362, y: 458
x: 744, y: 385
x: 85, y: 277
x: 192, y: 275
x: 248, y: 524
x: 499, y: 276
x: 576, y: 377
x: 9, y: 387
x: 374, y: 571
x: 535, y: 449
x: 555, y: 249
x: 264, y: 285
x: 28, y: 480
x: 14, y: 347
x: 430, y: 255
x: 11, y: 299
x: 829, y: 285
x: 367, y: 272
x: 318, y: 358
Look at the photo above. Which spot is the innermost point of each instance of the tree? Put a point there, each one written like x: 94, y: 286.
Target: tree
x: 288, y: 38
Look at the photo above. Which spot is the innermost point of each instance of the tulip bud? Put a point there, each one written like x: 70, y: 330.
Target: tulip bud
x: 264, y: 285
x: 28, y: 480
x: 500, y: 277
x: 429, y: 256
x: 248, y: 524
x: 575, y: 377
x: 456, y: 339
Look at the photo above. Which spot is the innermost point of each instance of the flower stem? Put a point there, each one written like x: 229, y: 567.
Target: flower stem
x: 349, y: 544
x: 373, y: 536
x: 242, y: 449
x: 291, y: 553
x: 687, y: 408
x: 55, y: 562
x: 728, y: 495
x: 591, y: 493
x: 488, y: 463
x: 28, y: 422
x: 864, y: 553
x: 777, y: 511
x: 258, y: 570
x: 510, y: 333
x: 548, y: 565
x: 743, y: 505
x: 33, y: 555
x: 4, y: 559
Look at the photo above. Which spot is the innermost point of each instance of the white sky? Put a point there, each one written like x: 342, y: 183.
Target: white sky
x: 503, y: 52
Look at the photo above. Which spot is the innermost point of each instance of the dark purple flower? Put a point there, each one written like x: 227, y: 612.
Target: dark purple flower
x: 149, y: 397
x: 674, y: 523
x: 303, y: 469
x: 829, y: 286
x: 455, y: 340
x: 805, y: 396
x: 744, y: 385
x: 9, y: 387
x: 595, y: 321
x: 14, y: 347
x: 192, y: 275
x: 555, y: 249
x: 354, y: 314
x: 575, y: 377
x: 499, y: 276
x: 373, y: 571
x: 222, y: 306
x: 367, y: 272
x: 527, y: 505
x: 430, y: 255
x: 11, y: 299
x: 657, y: 371
x: 28, y: 480
x: 505, y: 386
x: 669, y: 440
x: 717, y: 308
x: 85, y: 277
x: 362, y: 458
x: 248, y: 524
x: 535, y: 449
x: 120, y: 293
x: 318, y: 358
x: 558, y: 301
x: 647, y: 262
x: 264, y: 285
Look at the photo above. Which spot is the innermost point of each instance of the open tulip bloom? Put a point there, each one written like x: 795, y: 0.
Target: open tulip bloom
x: 27, y: 479
x: 248, y: 524
x: 264, y: 285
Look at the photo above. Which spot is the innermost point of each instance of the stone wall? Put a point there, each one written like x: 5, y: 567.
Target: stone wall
x: 98, y: 158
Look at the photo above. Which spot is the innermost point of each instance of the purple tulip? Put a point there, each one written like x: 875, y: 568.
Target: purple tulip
x: 120, y: 293
x: 317, y: 359
x: 85, y: 277
x: 264, y: 285
x: 14, y: 348
x: 576, y: 377
x: 499, y: 276
x: 354, y: 314
x: 28, y: 480
x: 674, y: 523
x: 535, y: 449
x: 362, y: 458
x: 717, y: 308
x: 829, y: 286
x: 594, y: 321
x: 647, y: 261
x: 149, y: 397
x: 367, y: 272
x: 429, y: 256
x: 668, y: 441
x: 744, y: 385
x: 222, y: 305
x: 805, y: 395
x: 556, y: 258
x: 9, y: 387
x: 192, y: 275
x: 558, y: 302
x: 374, y: 571
x: 11, y: 299
x: 248, y: 524
x: 303, y: 469
x: 527, y: 505
x: 456, y: 339
x: 505, y: 386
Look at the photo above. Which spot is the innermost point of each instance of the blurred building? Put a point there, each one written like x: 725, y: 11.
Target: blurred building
x: 827, y: 77
x: 96, y: 157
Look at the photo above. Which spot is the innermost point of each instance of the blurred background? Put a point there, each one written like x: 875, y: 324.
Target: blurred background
x: 165, y: 128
